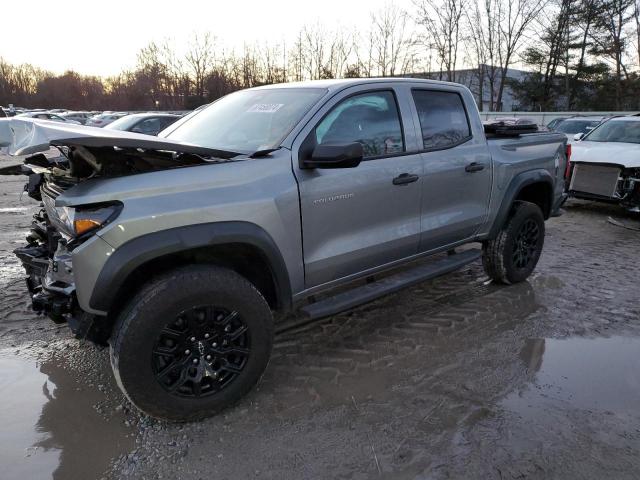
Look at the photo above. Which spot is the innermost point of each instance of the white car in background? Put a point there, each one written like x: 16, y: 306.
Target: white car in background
x: 605, y: 163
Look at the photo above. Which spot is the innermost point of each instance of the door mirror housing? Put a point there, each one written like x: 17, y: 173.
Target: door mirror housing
x: 578, y: 136
x: 336, y: 155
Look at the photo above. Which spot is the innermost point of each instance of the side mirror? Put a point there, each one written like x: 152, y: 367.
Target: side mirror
x: 578, y: 136
x: 343, y: 155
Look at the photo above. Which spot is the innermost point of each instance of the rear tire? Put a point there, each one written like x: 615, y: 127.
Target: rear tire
x: 191, y: 343
x: 514, y: 253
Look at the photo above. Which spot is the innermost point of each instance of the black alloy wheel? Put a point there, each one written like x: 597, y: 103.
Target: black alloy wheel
x: 191, y: 342
x: 526, y: 244
x: 512, y: 255
x: 201, y: 352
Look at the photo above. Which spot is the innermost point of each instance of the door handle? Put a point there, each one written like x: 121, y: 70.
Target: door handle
x: 474, y: 167
x: 405, y: 178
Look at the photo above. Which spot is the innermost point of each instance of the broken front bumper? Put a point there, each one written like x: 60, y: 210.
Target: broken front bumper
x: 49, y: 280
x: 606, y: 182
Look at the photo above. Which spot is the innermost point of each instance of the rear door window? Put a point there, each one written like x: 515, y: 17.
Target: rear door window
x: 371, y: 119
x: 443, y: 119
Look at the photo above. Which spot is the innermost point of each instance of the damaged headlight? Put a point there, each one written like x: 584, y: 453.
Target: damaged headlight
x: 77, y: 221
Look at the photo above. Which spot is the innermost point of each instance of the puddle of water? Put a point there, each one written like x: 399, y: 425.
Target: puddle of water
x: 49, y: 426
x: 590, y: 374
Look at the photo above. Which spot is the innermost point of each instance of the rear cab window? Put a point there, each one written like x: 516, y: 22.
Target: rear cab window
x: 371, y: 118
x: 443, y: 119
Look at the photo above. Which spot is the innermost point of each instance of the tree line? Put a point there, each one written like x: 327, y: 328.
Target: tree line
x: 579, y: 55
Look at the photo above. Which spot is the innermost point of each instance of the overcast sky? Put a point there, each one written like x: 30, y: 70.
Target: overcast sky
x: 102, y: 37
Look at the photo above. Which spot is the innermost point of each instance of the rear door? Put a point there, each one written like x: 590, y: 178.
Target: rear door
x: 457, y: 168
x: 355, y: 219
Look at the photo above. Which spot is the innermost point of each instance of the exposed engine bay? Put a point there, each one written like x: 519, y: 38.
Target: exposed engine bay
x: 56, y: 230
x: 606, y: 182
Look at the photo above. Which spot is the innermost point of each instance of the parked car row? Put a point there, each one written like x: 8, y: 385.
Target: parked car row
x: 49, y: 116
x: 150, y: 123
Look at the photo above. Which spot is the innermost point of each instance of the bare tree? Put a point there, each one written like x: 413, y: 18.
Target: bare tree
x: 392, y: 42
x: 515, y: 17
x: 441, y: 20
x: 320, y: 53
x: 484, y: 42
x: 201, y: 59
x: 477, y: 45
x: 340, y: 51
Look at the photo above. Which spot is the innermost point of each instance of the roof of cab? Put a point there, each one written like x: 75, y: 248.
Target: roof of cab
x: 338, y: 84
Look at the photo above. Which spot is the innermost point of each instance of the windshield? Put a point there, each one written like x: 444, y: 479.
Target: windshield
x: 248, y: 120
x: 576, y: 126
x: 123, y: 123
x: 623, y: 131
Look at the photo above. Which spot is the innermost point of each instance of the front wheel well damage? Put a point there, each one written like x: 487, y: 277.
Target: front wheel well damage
x: 244, y: 259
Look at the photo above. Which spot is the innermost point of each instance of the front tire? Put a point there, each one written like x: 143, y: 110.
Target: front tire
x: 191, y: 343
x: 513, y: 255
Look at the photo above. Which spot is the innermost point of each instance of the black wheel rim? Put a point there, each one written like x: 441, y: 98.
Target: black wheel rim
x: 200, y: 352
x: 526, y: 244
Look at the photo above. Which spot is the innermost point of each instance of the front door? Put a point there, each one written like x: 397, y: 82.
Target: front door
x: 354, y: 219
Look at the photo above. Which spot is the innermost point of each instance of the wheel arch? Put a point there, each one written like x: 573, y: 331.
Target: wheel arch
x: 535, y: 186
x: 240, y: 246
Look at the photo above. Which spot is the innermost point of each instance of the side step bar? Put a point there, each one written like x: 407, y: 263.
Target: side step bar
x: 370, y: 291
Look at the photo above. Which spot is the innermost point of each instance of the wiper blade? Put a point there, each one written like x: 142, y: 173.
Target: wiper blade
x: 263, y: 153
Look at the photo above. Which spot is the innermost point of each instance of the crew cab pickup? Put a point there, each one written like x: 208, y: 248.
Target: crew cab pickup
x: 178, y: 250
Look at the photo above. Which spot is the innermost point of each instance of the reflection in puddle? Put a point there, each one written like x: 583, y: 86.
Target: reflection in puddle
x: 589, y: 374
x: 49, y: 426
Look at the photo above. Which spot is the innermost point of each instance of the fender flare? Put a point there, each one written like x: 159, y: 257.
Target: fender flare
x: 515, y: 186
x: 141, y: 250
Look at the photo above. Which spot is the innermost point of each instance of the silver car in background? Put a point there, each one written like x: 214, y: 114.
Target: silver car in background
x: 147, y: 123
x: 103, y: 119
x: 49, y: 116
x: 579, y: 125
x: 80, y: 117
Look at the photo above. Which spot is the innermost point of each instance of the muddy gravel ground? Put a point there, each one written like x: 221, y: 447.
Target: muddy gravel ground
x: 454, y: 378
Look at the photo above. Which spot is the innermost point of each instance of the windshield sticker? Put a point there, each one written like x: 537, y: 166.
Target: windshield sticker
x: 266, y: 107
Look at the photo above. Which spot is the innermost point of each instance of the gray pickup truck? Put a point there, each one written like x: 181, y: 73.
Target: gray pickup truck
x: 178, y: 250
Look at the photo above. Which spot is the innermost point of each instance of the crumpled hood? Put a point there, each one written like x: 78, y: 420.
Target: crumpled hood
x: 26, y: 136
x: 625, y: 154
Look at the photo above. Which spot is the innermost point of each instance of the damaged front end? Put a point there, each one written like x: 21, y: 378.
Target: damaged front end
x: 58, y: 228
x: 629, y: 189
x: 606, y: 182
x: 49, y: 270
x: 47, y: 257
